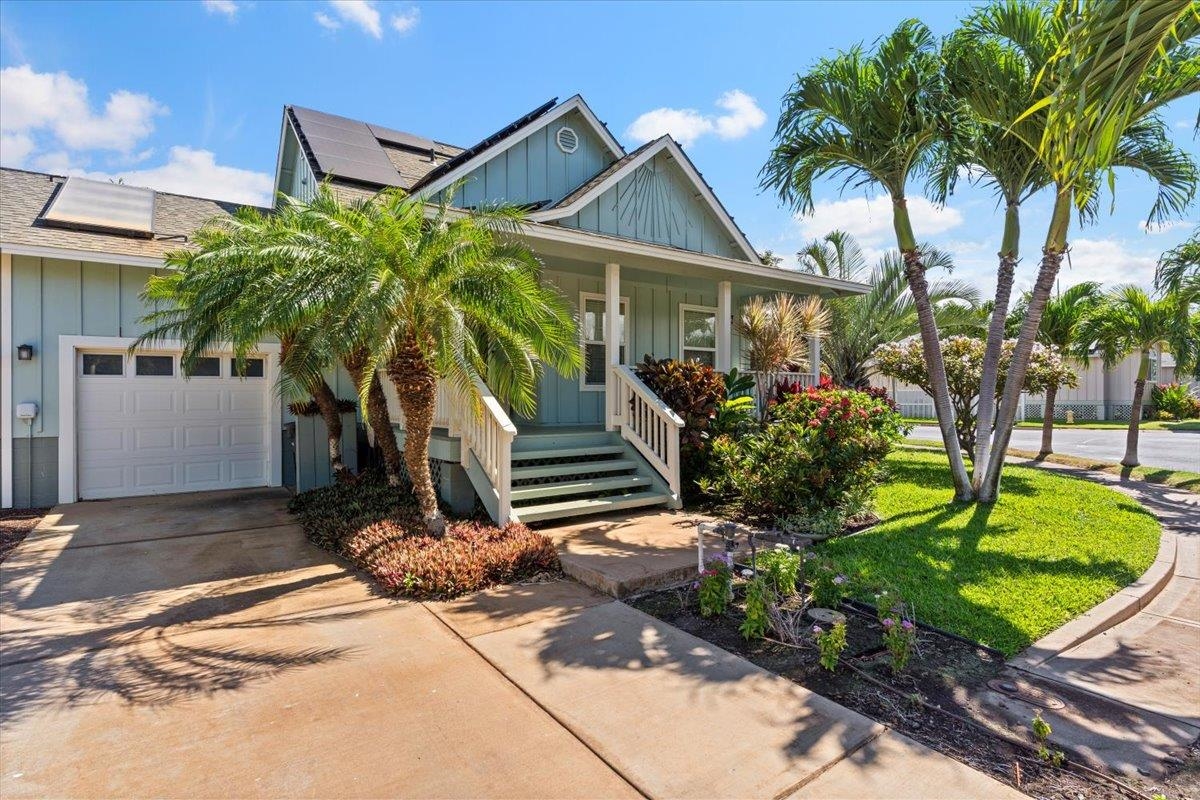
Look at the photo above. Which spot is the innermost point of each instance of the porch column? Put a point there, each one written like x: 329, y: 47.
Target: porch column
x: 612, y: 341
x: 724, y: 326
x: 814, y: 358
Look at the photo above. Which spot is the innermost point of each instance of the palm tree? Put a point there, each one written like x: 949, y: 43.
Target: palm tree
x: 875, y: 119
x: 1179, y: 269
x: 1059, y: 331
x: 1094, y: 123
x: 860, y: 323
x: 1127, y: 321
x: 438, y: 294
x: 231, y: 288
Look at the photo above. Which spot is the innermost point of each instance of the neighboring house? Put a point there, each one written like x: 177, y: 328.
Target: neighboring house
x: 1102, y: 393
x: 637, y: 240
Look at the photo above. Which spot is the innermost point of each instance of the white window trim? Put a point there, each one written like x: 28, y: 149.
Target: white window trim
x: 712, y: 310
x: 584, y: 386
x: 68, y: 349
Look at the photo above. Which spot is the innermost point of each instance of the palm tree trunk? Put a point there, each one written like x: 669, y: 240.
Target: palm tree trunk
x: 327, y: 403
x: 1135, y: 413
x: 1052, y: 256
x: 416, y: 387
x: 914, y: 271
x: 995, y: 342
x: 1048, y: 421
x: 378, y: 416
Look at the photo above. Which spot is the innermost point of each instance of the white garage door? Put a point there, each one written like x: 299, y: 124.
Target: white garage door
x: 142, y: 428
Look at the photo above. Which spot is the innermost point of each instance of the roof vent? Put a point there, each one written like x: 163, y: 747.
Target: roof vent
x: 567, y: 139
x: 102, y: 206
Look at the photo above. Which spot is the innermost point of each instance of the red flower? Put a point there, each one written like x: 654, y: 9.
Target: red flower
x: 814, y: 423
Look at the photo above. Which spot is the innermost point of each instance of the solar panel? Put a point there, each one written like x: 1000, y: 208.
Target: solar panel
x: 102, y: 206
x: 345, y: 148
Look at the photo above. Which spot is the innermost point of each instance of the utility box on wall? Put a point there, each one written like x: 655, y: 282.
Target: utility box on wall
x: 312, y: 450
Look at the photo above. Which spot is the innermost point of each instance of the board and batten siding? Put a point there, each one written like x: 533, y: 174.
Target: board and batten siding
x: 657, y: 203
x: 296, y: 178
x: 652, y: 328
x: 534, y: 169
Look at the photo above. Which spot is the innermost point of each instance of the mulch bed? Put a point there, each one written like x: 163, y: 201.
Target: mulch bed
x: 15, y: 525
x: 942, y: 671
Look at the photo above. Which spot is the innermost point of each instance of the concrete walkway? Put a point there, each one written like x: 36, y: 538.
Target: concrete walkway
x: 198, y: 646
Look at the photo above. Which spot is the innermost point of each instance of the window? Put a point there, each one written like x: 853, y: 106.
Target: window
x: 594, y: 357
x: 250, y: 368
x: 103, y: 364
x: 156, y: 366
x: 205, y: 367
x: 698, y: 334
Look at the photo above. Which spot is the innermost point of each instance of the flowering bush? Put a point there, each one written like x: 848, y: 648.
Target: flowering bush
x: 716, y: 585
x: 830, y: 644
x: 380, y: 531
x: 899, y: 637
x: 758, y: 600
x: 820, y: 453
x: 828, y: 587
x: 963, y: 356
x: 1175, y: 401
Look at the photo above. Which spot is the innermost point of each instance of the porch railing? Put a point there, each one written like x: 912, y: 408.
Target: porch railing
x: 488, y: 436
x: 650, y: 425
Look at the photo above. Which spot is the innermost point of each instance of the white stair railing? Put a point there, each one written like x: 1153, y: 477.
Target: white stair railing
x: 489, y: 437
x: 650, y: 425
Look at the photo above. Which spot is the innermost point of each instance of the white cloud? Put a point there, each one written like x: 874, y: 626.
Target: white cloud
x: 686, y: 125
x: 1183, y: 124
x: 58, y: 104
x: 870, y: 221
x: 15, y: 148
x: 327, y: 22
x: 1109, y: 261
x: 195, y: 172
x: 1157, y: 228
x: 226, y: 7
x: 404, y: 22
x: 362, y: 13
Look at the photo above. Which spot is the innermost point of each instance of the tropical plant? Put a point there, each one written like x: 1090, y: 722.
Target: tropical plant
x: 694, y: 391
x: 1116, y: 64
x: 1174, y: 401
x: 964, y: 367
x: 231, y: 287
x: 1129, y: 321
x: 775, y: 333
x: 759, y: 599
x: 735, y: 412
x: 1179, y: 270
x: 1059, y: 331
x: 877, y: 119
x: 860, y: 323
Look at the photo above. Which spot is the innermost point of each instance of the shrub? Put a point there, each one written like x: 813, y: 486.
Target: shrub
x: 830, y: 644
x: 782, y: 568
x: 716, y: 585
x: 693, y: 390
x: 379, y: 529
x: 828, y: 586
x: 1174, y: 401
x: 899, y: 636
x: 818, y: 456
x: 758, y: 600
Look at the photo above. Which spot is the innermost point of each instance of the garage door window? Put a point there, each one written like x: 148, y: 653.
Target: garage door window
x: 207, y: 367
x: 103, y: 364
x: 250, y: 368
x: 155, y: 366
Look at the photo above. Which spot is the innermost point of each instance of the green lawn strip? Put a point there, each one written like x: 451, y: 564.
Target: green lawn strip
x: 1052, y: 547
x: 1095, y: 425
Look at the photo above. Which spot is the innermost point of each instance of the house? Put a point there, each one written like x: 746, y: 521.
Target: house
x: 636, y: 239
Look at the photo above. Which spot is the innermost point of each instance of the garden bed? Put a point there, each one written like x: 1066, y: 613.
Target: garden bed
x: 941, y: 672
x: 378, y: 528
x: 15, y: 525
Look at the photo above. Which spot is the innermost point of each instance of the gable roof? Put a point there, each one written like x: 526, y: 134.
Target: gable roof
x: 510, y: 135
x: 24, y: 195
x: 611, y: 175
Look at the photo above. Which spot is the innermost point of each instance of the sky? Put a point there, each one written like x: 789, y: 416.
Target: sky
x: 188, y: 96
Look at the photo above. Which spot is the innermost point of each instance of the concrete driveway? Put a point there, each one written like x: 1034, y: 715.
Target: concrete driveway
x: 1165, y: 449
x: 197, y: 645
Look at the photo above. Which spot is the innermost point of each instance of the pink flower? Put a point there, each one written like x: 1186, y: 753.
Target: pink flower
x: 814, y: 423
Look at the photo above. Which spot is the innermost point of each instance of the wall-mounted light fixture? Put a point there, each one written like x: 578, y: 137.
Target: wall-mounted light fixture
x: 25, y: 352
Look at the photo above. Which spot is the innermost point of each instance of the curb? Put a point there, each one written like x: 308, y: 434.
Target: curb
x: 1116, y: 609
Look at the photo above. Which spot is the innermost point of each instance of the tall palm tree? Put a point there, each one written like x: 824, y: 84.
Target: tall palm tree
x: 231, y: 288
x: 1126, y: 321
x: 439, y: 294
x: 1095, y: 123
x: 1059, y: 331
x: 860, y: 323
x: 1179, y: 269
x: 876, y: 119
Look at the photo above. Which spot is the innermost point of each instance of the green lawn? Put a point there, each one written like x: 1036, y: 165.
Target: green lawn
x: 1051, y: 548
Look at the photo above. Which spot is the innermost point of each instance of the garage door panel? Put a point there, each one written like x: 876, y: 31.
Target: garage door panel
x: 155, y: 434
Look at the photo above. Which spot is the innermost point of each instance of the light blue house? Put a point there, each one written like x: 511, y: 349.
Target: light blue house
x: 636, y: 240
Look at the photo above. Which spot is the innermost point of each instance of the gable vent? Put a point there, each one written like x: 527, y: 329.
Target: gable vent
x: 567, y: 139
